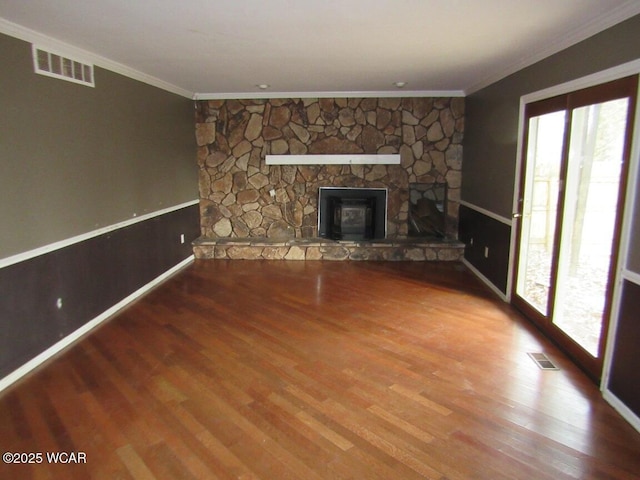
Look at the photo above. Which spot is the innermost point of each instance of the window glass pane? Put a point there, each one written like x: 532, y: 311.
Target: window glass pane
x: 540, y: 208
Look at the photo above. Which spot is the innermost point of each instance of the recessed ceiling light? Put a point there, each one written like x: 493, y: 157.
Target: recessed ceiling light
x: 262, y: 86
x: 399, y: 84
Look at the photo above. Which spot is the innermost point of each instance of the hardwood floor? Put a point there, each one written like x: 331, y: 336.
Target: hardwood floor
x: 315, y: 370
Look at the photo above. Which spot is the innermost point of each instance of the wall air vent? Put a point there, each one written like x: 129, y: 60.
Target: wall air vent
x: 60, y: 66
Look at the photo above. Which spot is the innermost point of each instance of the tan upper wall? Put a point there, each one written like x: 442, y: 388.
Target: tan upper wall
x: 75, y: 159
x: 490, y: 143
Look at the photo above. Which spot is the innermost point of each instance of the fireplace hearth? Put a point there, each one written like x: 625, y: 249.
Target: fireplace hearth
x: 352, y: 213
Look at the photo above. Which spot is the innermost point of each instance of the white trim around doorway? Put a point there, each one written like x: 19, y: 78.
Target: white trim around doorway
x: 620, y: 71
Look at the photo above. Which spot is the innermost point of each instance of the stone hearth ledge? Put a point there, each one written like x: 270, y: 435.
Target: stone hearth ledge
x: 261, y: 248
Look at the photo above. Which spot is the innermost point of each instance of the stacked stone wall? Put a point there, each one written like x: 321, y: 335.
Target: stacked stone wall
x: 234, y: 136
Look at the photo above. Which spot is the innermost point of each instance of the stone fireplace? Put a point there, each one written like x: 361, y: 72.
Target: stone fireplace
x: 244, y: 199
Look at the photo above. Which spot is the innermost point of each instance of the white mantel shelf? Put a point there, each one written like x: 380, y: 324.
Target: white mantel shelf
x: 392, y: 159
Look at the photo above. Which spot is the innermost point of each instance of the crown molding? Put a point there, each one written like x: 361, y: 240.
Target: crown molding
x: 31, y: 36
x: 354, y: 94
x: 611, y: 18
x: 577, y: 35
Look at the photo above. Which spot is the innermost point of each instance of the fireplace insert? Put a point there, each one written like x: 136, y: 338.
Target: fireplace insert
x: 352, y: 218
x: 352, y: 213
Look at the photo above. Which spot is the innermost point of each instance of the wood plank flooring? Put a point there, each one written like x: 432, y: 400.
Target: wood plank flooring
x: 315, y: 370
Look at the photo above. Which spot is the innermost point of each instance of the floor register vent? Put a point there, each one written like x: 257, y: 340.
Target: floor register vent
x: 543, y: 361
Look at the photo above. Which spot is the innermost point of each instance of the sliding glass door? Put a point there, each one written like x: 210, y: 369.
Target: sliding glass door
x: 572, y: 188
x: 539, y: 209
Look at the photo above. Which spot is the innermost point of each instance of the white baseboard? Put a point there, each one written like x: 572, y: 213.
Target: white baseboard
x: 484, y: 279
x: 622, y: 409
x: 87, y: 327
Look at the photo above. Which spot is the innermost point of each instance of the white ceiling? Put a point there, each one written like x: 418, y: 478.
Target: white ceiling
x: 224, y: 48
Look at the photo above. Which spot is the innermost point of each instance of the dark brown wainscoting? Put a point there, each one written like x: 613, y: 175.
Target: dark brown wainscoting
x: 492, y: 234
x: 624, y: 382
x: 316, y: 370
x: 90, y: 277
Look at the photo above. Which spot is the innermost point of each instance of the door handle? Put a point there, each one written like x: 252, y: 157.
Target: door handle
x: 516, y: 215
